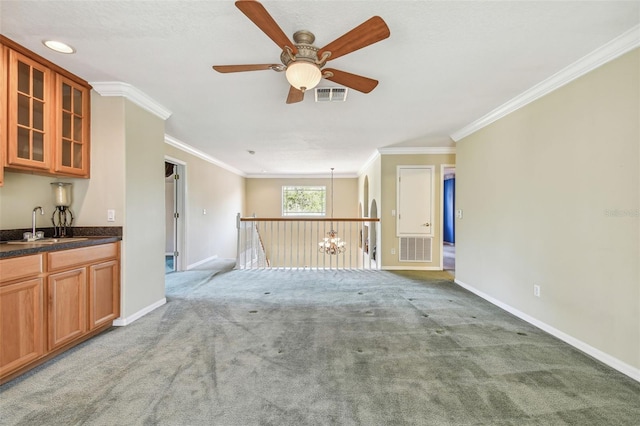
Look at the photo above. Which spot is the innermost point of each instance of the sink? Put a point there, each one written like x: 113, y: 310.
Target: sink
x: 48, y: 241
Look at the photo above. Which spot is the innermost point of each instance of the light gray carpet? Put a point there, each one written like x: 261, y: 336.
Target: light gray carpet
x: 322, y: 348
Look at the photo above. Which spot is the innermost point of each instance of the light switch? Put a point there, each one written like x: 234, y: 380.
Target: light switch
x: 111, y: 215
x: 393, y: 212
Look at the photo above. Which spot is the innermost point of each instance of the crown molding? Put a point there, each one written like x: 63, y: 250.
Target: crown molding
x: 138, y: 97
x: 170, y: 140
x: 302, y: 176
x: 606, y: 53
x: 416, y: 150
x: 369, y: 163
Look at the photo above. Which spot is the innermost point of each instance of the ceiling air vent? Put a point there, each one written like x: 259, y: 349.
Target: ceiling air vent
x: 331, y: 94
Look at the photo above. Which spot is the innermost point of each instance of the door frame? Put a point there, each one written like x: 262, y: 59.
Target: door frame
x: 181, y: 225
x: 443, y: 167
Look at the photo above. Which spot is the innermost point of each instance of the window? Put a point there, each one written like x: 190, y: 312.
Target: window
x: 304, y: 200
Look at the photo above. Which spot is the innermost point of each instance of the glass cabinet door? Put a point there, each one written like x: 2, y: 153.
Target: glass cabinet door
x: 72, y: 136
x: 28, y: 118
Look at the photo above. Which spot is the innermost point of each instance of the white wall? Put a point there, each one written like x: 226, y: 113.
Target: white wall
x: 219, y: 192
x: 389, y: 171
x: 127, y: 175
x: 264, y: 196
x: 90, y: 197
x: 373, y: 173
x: 144, y: 230
x: 550, y: 196
x: 106, y: 188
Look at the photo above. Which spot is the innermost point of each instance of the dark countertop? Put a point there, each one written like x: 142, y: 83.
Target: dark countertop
x: 14, y: 250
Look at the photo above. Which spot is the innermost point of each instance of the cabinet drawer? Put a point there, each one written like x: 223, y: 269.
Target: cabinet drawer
x: 81, y: 256
x: 20, y: 267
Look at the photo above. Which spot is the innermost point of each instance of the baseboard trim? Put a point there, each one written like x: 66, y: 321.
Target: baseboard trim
x: 208, y: 259
x: 121, y: 322
x: 603, y: 357
x: 412, y: 268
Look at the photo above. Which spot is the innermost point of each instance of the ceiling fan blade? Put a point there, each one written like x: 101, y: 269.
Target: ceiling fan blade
x: 295, y: 95
x: 240, y: 68
x: 353, y: 81
x: 259, y: 16
x: 369, y: 32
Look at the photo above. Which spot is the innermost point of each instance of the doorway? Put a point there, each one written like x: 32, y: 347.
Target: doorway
x: 174, y: 201
x: 448, y: 218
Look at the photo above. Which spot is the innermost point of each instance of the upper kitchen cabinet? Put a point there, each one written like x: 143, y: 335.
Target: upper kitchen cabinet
x: 72, y: 128
x: 47, y: 116
x: 29, y: 113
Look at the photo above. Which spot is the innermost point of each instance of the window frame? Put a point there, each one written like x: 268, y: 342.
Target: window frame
x: 310, y: 188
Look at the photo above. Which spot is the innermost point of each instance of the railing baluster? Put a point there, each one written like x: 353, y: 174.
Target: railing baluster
x: 343, y: 237
x: 297, y: 244
x: 247, y: 246
x: 270, y: 245
x: 351, y: 245
x: 364, y: 246
x: 304, y: 245
x: 290, y: 244
x: 324, y: 258
x: 263, y: 249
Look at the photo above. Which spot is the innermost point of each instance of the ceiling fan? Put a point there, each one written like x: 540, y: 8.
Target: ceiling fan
x: 303, y: 62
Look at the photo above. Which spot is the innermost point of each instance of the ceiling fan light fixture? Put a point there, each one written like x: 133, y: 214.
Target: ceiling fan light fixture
x: 303, y: 75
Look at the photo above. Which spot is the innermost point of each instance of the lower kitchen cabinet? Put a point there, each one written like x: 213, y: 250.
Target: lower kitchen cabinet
x: 52, y: 301
x: 67, y: 306
x: 104, y: 297
x: 21, y: 325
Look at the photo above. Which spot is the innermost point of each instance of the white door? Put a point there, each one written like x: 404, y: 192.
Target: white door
x: 171, y: 217
x: 415, y: 200
x: 174, y: 213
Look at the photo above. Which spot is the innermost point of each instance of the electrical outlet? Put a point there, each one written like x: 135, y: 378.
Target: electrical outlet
x: 536, y: 290
x: 393, y: 251
x: 459, y: 213
x: 204, y: 211
x: 111, y: 215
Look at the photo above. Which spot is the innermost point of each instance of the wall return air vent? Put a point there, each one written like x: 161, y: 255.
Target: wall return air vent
x: 331, y: 94
x: 415, y: 249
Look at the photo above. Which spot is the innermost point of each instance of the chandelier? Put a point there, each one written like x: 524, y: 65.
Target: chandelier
x: 332, y: 244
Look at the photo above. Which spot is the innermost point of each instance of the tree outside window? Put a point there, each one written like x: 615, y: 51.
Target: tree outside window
x: 304, y: 200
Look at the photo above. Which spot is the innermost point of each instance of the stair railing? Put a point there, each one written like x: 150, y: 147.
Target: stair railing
x: 306, y: 243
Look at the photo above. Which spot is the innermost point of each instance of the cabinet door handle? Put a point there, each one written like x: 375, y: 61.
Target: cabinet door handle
x: 426, y: 224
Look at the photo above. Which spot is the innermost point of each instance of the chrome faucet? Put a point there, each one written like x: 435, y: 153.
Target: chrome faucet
x: 33, y: 221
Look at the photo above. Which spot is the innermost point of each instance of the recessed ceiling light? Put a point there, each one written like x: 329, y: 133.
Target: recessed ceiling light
x: 59, y: 46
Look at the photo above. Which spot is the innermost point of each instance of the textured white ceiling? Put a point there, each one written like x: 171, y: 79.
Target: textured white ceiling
x: 446, y: 64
